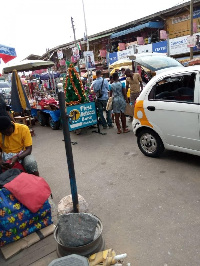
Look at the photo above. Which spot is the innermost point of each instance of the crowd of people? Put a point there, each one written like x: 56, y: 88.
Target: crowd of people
x: 118, y: 90
x: 16, y: 140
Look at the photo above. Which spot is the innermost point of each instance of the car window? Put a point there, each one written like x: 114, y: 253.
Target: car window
x: 177, y: 88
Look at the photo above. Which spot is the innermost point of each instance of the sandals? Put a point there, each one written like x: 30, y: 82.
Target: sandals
x: 119, y: 132
x: 126, y: 130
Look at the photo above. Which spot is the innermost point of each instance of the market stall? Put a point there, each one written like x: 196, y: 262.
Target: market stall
x: 79, y: 101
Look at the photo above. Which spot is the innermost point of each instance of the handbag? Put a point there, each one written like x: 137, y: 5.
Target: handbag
x: 109, y: 104
x: 129, y: 110
x: 99, y: 93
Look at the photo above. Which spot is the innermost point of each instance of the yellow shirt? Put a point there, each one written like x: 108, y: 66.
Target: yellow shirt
x: 134, y: 83
x: 19, y: 139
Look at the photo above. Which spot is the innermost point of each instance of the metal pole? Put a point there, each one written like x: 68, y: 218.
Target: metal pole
x: 68, y: 149
x: 168, y: 44
x: 85, y: 26
x: 50, y: 73
x: 72, y: 21
x: 87, y: 42
x: 191, y: 26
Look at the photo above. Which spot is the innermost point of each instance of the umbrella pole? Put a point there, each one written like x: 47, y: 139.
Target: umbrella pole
x: 68, y: 148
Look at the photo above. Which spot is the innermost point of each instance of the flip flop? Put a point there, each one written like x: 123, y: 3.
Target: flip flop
x: 126, y: 130
x: 119, y: 132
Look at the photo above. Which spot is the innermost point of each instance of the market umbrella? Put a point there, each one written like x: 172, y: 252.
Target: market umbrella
x: 121, y: 62
x: 46, y: 76
x: 7, y: 53
x: 27, y: 65
x: 118, y: 68
x: 195, y: 61
x: 19, y: 100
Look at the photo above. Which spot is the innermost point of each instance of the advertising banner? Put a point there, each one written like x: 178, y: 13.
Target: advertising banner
x: 143, y: 49
x: 191, y: 41
x: 60, y: 54
x: 124, y: 54
x: 75, y: 56
x: 178, y: 46
x: 113, y: 57
x: 89, y: 60
x: 197, y: 43
x: 159, y: 47
x: 84, y: 115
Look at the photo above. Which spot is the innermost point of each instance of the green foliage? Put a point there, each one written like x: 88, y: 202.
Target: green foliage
x: 74, y: 92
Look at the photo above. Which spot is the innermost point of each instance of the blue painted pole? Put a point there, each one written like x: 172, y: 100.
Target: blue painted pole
x: 68, y: 148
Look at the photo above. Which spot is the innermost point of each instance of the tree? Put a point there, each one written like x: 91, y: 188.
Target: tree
x: 75, y: 93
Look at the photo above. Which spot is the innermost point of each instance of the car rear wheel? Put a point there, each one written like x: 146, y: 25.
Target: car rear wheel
x: 150, y: 143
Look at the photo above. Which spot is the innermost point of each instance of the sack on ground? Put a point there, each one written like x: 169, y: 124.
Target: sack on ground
x: 109, y: 104
x: 129, y: 110
x: 16, y: 221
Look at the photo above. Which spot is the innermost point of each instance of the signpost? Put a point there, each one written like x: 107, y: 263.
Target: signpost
x: 83, y: 115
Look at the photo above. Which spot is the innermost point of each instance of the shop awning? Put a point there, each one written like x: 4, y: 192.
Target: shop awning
x: 150, y: 24
x: 98, y: 37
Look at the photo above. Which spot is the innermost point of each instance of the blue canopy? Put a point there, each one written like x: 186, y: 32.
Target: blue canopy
x: 150, y: 24
x: 46, y: 76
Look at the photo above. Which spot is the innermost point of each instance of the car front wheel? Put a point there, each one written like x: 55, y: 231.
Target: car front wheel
x: 150, y: 143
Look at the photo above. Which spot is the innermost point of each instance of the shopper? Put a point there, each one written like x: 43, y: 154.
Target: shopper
x: 133, y: 80
x: 102, y: 85
x: 119, y: 103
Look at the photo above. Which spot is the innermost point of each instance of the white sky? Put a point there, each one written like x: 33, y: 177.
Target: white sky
x: 31, y: 26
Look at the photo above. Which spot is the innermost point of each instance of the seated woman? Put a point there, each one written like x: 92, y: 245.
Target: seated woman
x: 119, y: 103
x: 16, y: 146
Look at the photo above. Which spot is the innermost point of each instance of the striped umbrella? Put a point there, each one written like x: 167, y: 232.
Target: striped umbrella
x: 19, y: 100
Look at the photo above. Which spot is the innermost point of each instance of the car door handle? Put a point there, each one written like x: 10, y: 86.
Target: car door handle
x: 151, y: 108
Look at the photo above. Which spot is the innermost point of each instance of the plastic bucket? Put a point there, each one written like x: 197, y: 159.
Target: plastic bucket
x: 96, y: 245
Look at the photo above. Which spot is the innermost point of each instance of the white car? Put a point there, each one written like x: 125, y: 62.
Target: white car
x: 167, y: 112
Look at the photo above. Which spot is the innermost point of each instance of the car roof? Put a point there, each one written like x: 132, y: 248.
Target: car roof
x: 176, y: 70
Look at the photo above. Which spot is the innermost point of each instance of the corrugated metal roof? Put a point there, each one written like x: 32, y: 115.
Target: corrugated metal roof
x: 150, y: 24
x: 100, y: 36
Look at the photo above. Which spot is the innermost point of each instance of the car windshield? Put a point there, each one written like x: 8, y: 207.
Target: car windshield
x: 4, y: 85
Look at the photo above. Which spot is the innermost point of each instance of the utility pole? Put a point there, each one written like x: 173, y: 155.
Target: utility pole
x: 72, y: 21
x: 191, y: 26
x: 85, y: 26
x: 86, y: 63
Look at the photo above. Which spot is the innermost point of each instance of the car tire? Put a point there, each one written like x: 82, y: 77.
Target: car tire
x: 54, y: 124
x: 150, y: 143
x: 42, y: 119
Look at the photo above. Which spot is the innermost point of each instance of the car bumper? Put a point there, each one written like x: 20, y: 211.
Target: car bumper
x: 136, y: 124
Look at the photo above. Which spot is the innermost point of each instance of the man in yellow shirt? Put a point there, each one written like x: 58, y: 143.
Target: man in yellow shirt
x: 16, y: 145
x: 133, y: 80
